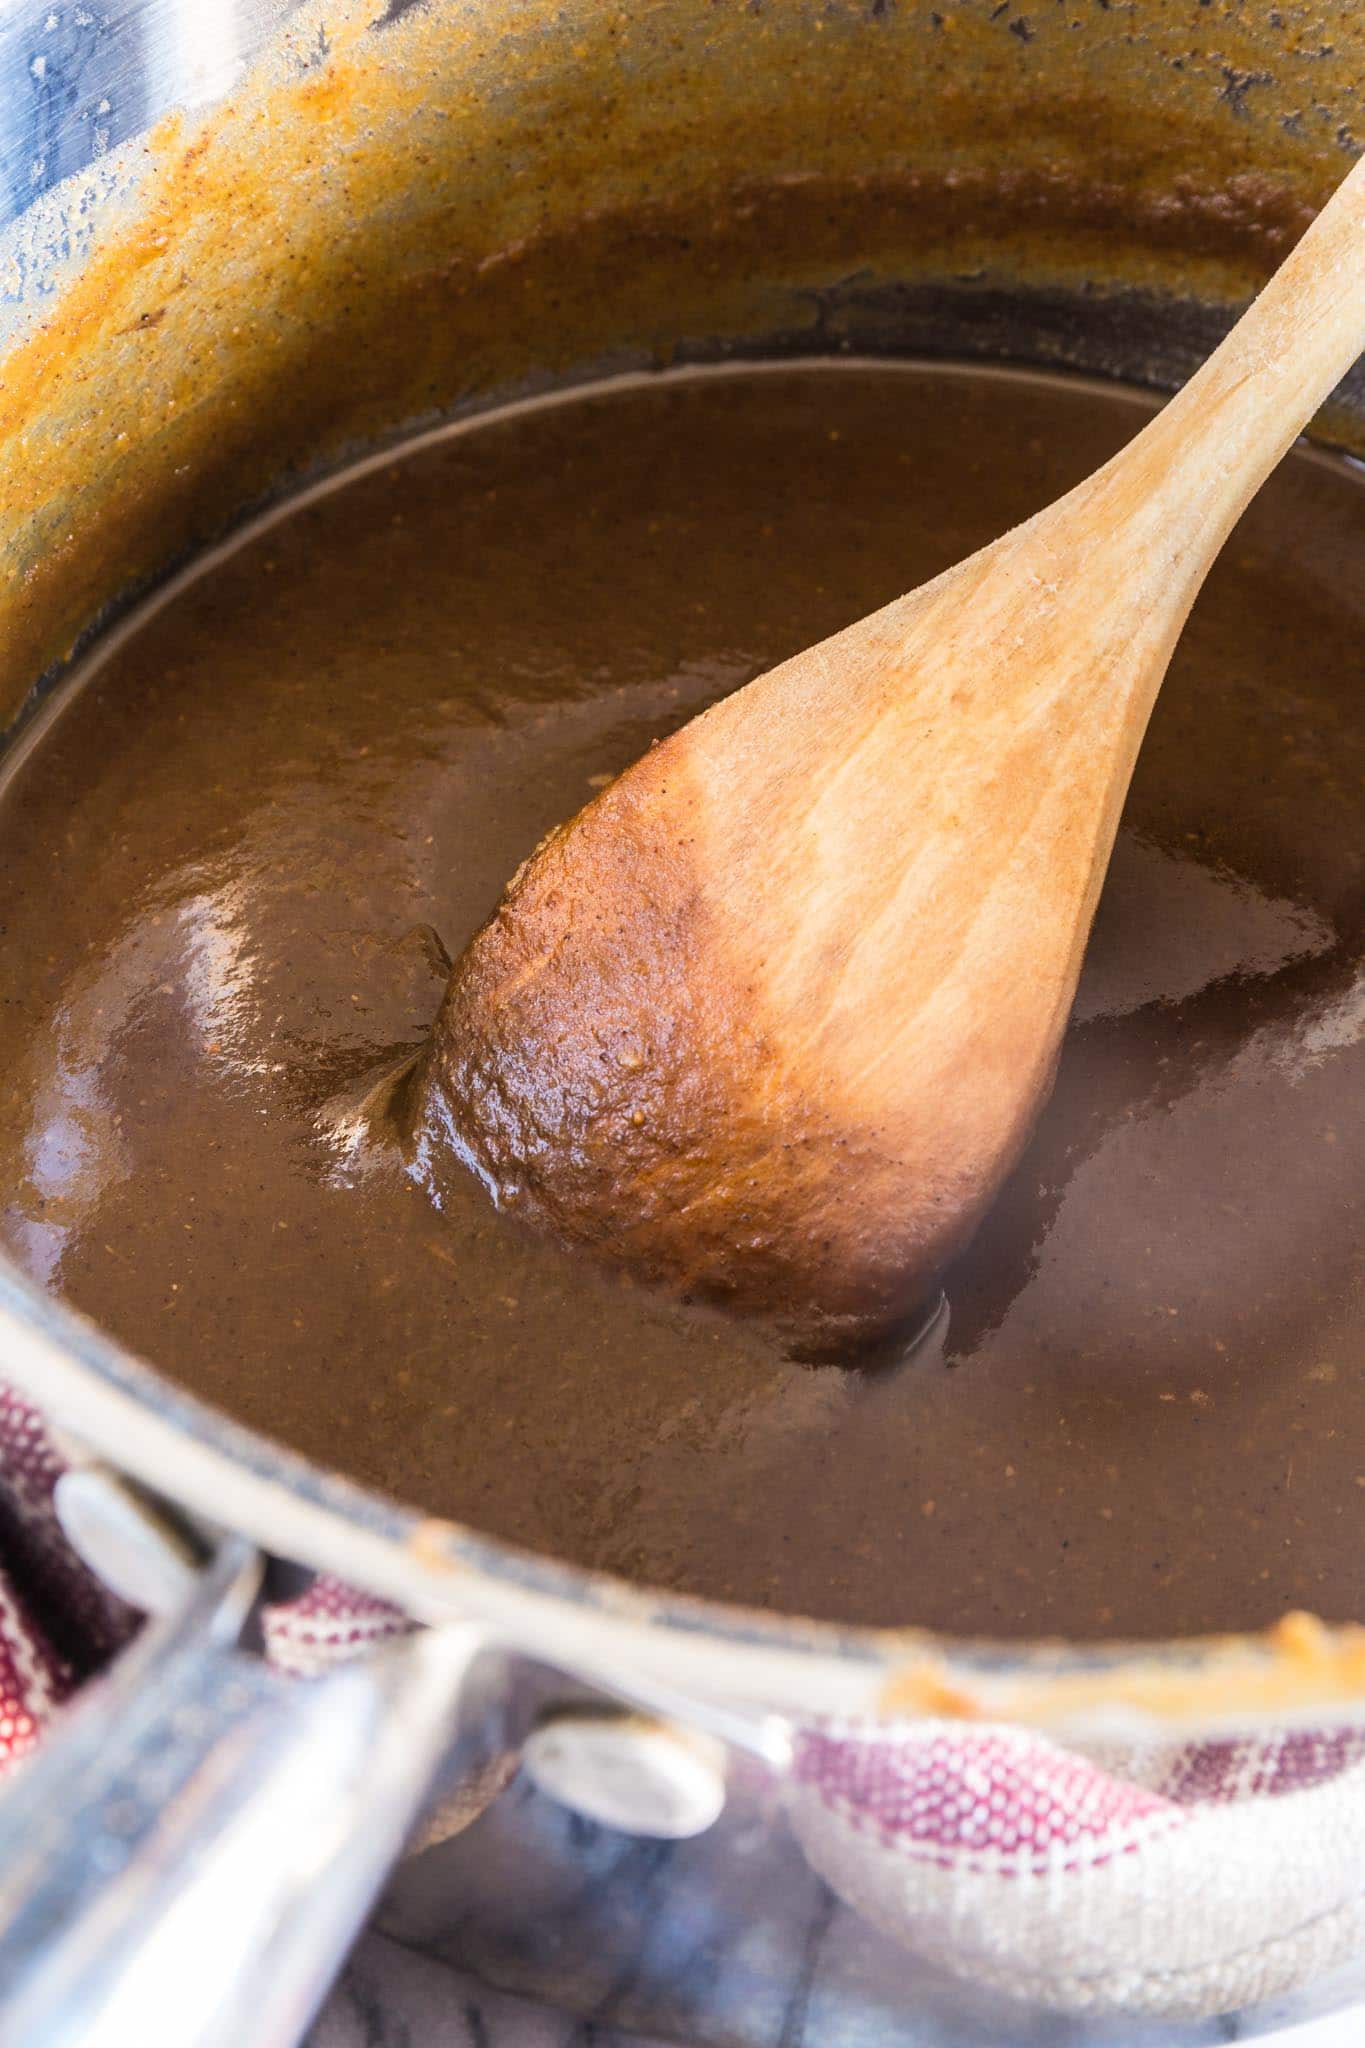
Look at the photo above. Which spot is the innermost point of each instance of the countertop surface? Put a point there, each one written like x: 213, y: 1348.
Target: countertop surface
x: 392, y: 1997
x: 533, y: 1926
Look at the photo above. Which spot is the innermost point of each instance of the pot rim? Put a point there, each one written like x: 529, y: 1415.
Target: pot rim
x: 118, y: 1407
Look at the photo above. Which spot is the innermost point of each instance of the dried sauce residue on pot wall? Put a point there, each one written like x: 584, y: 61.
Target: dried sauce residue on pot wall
x: 388, y: 220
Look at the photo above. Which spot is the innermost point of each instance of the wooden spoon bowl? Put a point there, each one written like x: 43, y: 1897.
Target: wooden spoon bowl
x: 770, y: 1020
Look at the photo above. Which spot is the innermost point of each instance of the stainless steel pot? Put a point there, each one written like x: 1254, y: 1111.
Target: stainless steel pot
x: 248, y: 240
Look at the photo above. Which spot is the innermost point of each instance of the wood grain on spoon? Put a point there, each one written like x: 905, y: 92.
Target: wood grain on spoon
x: 771, y: 1018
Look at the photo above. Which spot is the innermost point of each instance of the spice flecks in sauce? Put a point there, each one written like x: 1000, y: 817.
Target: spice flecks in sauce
x: 229, y: 870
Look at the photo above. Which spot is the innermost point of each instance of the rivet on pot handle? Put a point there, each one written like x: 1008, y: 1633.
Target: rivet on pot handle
x: 138, y: 1551
x: 187, y: 1859
x: 628, y: 1771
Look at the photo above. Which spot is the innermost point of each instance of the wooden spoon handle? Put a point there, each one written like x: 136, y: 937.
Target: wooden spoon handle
x: 1181, y: 484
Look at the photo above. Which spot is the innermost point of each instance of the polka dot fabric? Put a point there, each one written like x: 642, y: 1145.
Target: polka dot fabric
x: 1175, y: 1880
x: 58, y: 1623
x: 1001, y: 1802
x: 328, y: 1622
x: 33, y: 1678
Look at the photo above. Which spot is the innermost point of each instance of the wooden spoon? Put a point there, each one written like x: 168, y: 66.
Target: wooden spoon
x: 771, y: 1018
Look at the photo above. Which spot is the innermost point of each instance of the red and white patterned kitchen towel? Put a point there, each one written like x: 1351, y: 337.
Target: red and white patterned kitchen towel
x: 1166, y: 1879
x: 58, y: 1624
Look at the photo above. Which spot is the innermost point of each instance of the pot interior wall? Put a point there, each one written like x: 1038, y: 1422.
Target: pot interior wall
x: 403, y: 213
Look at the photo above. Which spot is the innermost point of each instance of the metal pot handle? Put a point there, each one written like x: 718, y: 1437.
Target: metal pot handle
x: 187, y: 1859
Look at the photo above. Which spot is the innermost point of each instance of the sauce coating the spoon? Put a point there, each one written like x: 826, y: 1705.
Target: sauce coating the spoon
x: 233, y: 867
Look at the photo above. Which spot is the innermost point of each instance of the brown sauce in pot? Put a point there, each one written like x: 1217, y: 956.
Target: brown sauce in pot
x: 230, y: 866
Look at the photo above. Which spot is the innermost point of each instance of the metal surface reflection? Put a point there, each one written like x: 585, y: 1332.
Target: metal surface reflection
x: 76, y: 81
